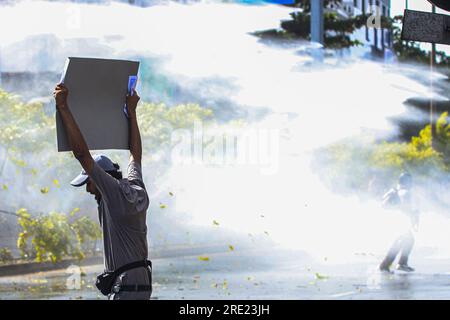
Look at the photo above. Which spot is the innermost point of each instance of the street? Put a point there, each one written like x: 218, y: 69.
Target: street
x: 253, y: 275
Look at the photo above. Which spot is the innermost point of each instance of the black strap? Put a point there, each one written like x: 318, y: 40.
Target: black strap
x: 132, y: 288
x: 132, y: 265
x: 136, y: 287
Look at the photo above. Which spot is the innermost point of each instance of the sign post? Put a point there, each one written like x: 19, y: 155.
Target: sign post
x: 317, y: 28
x: 432, y: 28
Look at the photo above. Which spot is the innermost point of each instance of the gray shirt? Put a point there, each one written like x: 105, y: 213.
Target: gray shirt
x: 122, y: 214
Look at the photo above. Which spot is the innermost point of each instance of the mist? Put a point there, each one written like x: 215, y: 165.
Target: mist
x: 206, y: 52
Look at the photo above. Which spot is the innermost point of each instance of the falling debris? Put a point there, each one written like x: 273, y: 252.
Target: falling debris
x: 39, y: 281
x: 266, y: 232
x: 203, y: 258
x: 74, y: 211
x: 225, y: 285
x: 45, y: 190
x: 320, y: 277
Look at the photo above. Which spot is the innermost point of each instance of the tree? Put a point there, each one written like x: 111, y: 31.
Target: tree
x: 53, y: 236
x: 338, y: 31
x: 306, y: 4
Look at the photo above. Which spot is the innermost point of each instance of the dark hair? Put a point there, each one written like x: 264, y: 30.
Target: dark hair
x: 116, y: 173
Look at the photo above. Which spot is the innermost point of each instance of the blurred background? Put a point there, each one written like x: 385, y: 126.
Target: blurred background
x: 287, y: 145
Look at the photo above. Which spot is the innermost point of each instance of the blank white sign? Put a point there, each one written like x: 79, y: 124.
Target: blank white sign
x: 97, y: 92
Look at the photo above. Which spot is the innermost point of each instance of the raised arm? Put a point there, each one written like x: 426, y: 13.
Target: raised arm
x: 135, y: 135
x: 75, y: 138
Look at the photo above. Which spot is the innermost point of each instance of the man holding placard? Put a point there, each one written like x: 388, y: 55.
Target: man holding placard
x: 122, y: 205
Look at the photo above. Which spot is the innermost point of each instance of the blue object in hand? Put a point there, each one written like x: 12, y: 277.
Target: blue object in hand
x: 132, y: 81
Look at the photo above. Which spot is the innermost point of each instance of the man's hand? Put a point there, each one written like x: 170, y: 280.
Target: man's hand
x: 135, y: 135
x: 132, y: 101
x: 60, y: 94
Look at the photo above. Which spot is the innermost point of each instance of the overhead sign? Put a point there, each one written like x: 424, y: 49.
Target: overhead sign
x: 426, y: 27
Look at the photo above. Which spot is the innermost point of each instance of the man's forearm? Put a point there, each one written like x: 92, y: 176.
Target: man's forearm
x: 75, y: 138
x: 135, y: 139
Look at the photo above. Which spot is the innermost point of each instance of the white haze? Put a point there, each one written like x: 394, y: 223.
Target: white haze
x: 311, y: 106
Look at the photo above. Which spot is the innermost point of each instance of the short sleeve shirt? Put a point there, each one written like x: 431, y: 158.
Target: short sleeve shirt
x: 122, y: 213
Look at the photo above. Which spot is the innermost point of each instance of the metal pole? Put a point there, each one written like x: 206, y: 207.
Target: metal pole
x: 317, y: 29
x: 432, y: 62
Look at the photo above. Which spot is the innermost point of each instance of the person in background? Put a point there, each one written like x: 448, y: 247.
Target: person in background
x: 122, y: 203
x: 401, y: 198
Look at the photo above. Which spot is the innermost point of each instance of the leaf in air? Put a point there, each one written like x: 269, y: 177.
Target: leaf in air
x: 171, y: 194
x: 162, y: 206
x: 203, y: 258
x: 231, y: 247
x: 320, y: 277
x: 45, y: 190
x: 75, y: 210
x: 215, y: 223
x: 5, y: 187
x: 56, y: 183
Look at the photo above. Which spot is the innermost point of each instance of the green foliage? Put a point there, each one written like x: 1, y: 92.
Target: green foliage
x: 28, y: 132
x: 350, y: 164
x: 344, y: 165
x: 25, y: 127
x: 337, y: 30
x: 416, y: 155
x: 53, y: 236
x: 157, y: 121
x: 5, y: 255
x: 306, y: 4
x: 27, y: 141
x: 87, y: 232
x: 442, y: 139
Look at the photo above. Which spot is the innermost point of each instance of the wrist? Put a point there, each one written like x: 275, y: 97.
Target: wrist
x: 132, y: 113
x: 60, y: 106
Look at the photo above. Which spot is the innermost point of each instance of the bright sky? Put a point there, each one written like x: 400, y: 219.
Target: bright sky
x: 397, y: 6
